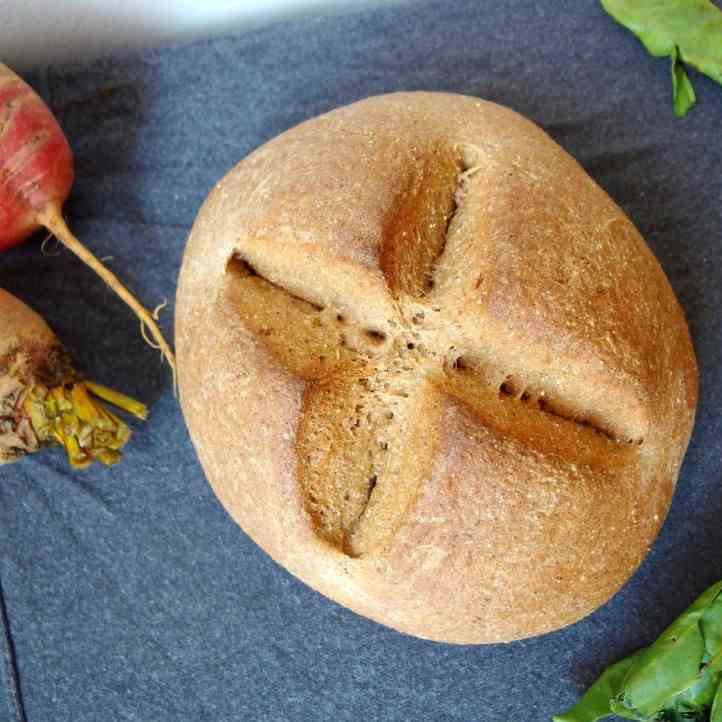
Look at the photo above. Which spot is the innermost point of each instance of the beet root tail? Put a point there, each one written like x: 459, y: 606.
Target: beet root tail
x: 53, y: 220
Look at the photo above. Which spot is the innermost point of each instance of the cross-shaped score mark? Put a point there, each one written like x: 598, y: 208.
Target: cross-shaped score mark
x: 383, y: 351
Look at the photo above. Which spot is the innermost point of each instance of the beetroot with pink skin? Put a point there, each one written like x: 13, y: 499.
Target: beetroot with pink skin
x: 36, y: 175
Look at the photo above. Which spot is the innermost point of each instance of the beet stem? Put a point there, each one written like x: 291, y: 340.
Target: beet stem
x: 69, y: 415
x: 115, y: 398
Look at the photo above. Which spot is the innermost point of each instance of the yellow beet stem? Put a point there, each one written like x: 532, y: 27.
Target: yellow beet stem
x: 70, y: 416
x: 52, y: 219
x: 78, y: 459
x: 84, y: 407
x: 122, y: 401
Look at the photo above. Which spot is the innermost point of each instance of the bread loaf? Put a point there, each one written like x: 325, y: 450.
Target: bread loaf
x: 432, y: 369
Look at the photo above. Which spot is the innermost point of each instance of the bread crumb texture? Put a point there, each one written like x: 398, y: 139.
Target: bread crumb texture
x: 432, y: 369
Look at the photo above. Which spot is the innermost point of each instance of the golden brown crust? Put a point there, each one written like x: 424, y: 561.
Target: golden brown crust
x: 432, y: 369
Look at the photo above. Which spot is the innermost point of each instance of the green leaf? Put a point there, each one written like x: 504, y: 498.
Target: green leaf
x: 683, y: 97
x: 700, y: 694
x: 688, y: 31
x: 672, y: 664
x: 712, y: 626
x: 669, y: 666
x: 624, y: 712
x: 716, y: 714
x: 685, y: 716
x: 596, y: 703
x: 676, y: 679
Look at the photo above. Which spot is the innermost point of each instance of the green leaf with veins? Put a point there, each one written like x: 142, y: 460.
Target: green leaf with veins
x: 687, y: 31
x: 673, y: 663
x: 676, y: 679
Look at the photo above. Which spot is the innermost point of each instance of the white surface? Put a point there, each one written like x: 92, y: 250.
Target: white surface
x: 34, y: 32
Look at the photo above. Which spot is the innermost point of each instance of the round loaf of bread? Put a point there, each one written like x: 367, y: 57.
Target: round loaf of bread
x: 432, y: 369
